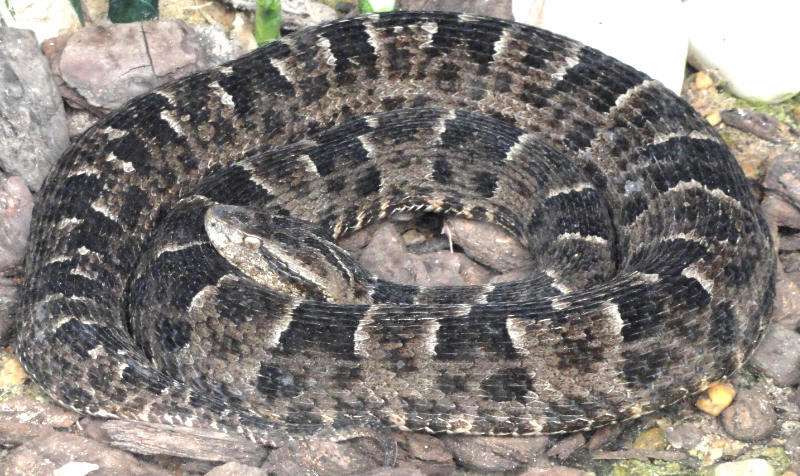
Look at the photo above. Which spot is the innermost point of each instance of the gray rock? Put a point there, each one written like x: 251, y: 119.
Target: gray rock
x: 778, y: 356
x: 33, y: 127
x: 385, y: 256
x: 488, y: 244
x: 100, y: 68
x: 16, y: 205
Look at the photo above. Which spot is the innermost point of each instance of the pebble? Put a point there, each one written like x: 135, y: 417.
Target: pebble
x: 778, y: 356
x: 714, y: 118
x: 320, y: 456
x: 745, y: 467
x: 604, y: 436
x: 703, y: 80
x: 750, y: 418
x: 12, y: 373
x: 716, y: 398
x: 747, y: 44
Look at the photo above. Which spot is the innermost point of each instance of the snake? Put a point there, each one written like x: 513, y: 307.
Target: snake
x: 182, y: 266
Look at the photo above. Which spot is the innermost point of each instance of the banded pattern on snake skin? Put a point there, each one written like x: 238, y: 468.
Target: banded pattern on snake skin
x: 654, y: 270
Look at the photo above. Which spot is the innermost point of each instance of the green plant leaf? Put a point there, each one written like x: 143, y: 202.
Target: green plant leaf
x: 76, y: 5
x: 369, y: 6
x: 267, y: 21
x: 127, y: 11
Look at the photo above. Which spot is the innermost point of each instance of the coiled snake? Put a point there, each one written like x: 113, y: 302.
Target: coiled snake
x: 654, y: 271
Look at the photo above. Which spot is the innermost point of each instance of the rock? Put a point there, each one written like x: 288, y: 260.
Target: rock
x: 217, y: 48
x: 750, y: 418
x: 199, y: 444
x: 45, y: 19
x: 78, y: 120
x: 8, y: 299
x: 236, y: 469
x: 440, y: 268
x: 556, y: 471
x: 792, y: 445
x: 760, y: 124
x: 786, y: 310
x: 66, y: 454
x: 745, y: 467
x: 492, y: 8
x: 385, y: 256
x: 684, y: 436
x: 566, y: 446
x: 652, y: 439
x: 488, y: 244
x: 23, y: 418
x: 402, y: 470
x: 425, y: 447
x: 495, y: 453
x: 11, y: 373
x: 33, y: 127
x: 746, y: 45
x: 296, y: 14
x: 346, y: 9
x: 603, y: 436
x: 320, y: 456
x: 703, y: 80
x: 716, y: 398
x: 658, y: 28
x: 789, y: 242
x: 100, y: 68
x: 778, y: 356
x: 16, y: 205
x: 471, y: 272
x: 782, y: 185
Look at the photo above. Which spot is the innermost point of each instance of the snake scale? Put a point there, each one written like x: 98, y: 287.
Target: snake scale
x: 653, y: 270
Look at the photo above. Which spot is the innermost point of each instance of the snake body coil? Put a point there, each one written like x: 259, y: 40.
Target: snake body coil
x: 654, y: 271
